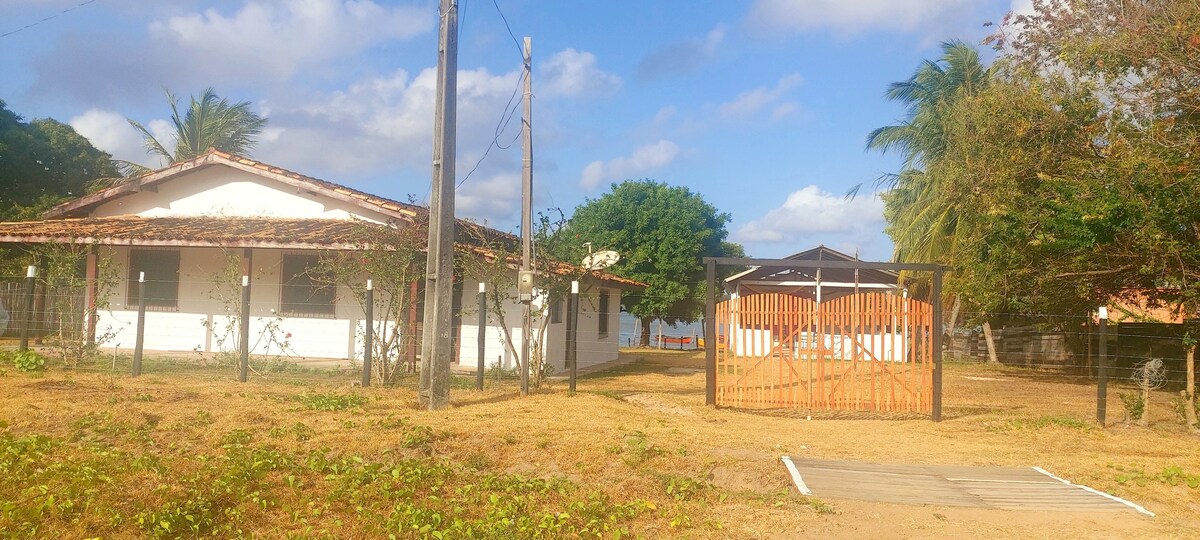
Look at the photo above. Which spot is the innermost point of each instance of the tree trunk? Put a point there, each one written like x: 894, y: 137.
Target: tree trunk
x: 1189, y: 399
x: 991, y: 343
x: 644, y: 339
x: 954, y: 314
x: 953, y: 321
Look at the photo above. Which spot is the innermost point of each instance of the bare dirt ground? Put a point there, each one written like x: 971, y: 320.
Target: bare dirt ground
x: 637, y: 431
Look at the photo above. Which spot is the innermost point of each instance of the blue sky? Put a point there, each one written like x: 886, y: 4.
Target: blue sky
x: 760, y: 106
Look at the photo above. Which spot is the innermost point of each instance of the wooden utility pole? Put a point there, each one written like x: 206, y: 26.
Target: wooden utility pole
x: 526, y: 222
x: 436, y: 351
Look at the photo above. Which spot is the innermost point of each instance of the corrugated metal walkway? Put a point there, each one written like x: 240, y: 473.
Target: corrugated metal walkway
x: 1009, y: 488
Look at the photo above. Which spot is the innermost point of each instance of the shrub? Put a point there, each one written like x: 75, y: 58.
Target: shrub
x: 29, y: 361
x: 1135, y: 407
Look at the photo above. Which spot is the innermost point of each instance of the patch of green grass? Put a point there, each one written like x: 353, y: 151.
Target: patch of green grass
x: 1171, y: 475
x: 821, y: 507
x: 1042, y: 422
x: 637, y: 449
x: 331, y: 401
x: 227, y: 491
x: 683, y: 488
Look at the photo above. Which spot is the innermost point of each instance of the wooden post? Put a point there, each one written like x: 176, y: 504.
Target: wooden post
x: 936, y: 294
x: 710, y: 335
x: 572, y: 334
x: 369, y: 334
x: 1102, y: 369
x: 92, y: 276
x: 481, y: 338
x: 140, y: 333
x: 244, y: 332
x: 30, y: 283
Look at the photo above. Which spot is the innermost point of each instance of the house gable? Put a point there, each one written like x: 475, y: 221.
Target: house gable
x: 223, y: 191
x: 151, y: 182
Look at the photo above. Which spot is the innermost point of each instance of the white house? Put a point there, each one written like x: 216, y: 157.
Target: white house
x: 180, y: 225
x: 755, y: 330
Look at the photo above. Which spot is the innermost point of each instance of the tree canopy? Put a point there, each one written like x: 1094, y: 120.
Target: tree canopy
x: 209, y: 122
x: 44, y: 162
x: 662, y: 233
x: 1059, y: 177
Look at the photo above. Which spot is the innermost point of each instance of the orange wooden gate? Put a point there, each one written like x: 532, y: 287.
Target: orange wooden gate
x: 864, y: 352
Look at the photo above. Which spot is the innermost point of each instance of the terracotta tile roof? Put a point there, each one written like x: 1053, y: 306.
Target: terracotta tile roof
x: 197, y: 231
x: 411, y: 213
x: 215, y: 231
x: 264, y: 232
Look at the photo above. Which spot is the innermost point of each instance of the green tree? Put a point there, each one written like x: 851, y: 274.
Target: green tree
x: 662, y: 234
x: 44, y: 162
x: 1139, y: 58
x: 924, y: 225
x: 921, y: 230
x: 209, y: 122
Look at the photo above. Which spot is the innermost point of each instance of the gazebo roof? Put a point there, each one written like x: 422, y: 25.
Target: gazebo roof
x: 768, y: 276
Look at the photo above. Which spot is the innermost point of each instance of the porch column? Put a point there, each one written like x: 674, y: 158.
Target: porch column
x: 92, y: 269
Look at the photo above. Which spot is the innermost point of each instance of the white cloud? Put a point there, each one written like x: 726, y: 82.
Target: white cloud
x: 750, y: 103
x: 280, y: 38
x: 645, y: 158
x: 112, y: 133
x: 813, y: 213
x: 385, y: 123
x: 574, y: 73
x: 853, y: 16
x: 492, y: 199
x: 1021, y: 7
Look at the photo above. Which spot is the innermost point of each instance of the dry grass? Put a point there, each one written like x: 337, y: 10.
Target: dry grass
x: 640, y: 440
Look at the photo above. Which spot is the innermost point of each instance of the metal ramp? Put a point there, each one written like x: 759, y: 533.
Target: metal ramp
x: 1007, y: 488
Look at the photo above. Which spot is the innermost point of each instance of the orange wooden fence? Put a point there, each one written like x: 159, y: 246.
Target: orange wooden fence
x: 864, y: 352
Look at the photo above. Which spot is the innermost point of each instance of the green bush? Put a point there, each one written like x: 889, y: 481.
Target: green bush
x: 28, y: 361
x: 1135, y: 407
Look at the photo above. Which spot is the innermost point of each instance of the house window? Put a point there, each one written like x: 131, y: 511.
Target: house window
x: 603, y: 313
x: 162, y: 278
x: 556, y: 311
x: 305, y: 292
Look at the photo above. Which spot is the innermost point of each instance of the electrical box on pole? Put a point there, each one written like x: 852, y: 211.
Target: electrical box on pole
x: 525, y: 285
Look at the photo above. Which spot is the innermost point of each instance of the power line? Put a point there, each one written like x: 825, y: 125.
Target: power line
x: 517, y: 42
x: 64, y: 12
x: 501, y: 127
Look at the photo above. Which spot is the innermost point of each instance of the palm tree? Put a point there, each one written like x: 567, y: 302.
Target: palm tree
x: 210, y: 122
x: 923, y: 228
x: 922, y: 223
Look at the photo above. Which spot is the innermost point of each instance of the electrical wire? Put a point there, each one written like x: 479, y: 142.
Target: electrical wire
x: 501, y: 126
x: 51, y: 17
x: 520, y: 50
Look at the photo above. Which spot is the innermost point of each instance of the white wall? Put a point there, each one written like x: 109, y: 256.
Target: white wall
x: 593, y: 349
x: 201, y: 322
x: 224, y: 191
x: 201, y: 318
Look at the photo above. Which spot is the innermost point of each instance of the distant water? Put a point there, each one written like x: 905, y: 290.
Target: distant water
x: 630, y: 333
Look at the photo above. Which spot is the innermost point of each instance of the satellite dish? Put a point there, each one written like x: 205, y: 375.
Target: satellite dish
x: 601, y: 260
